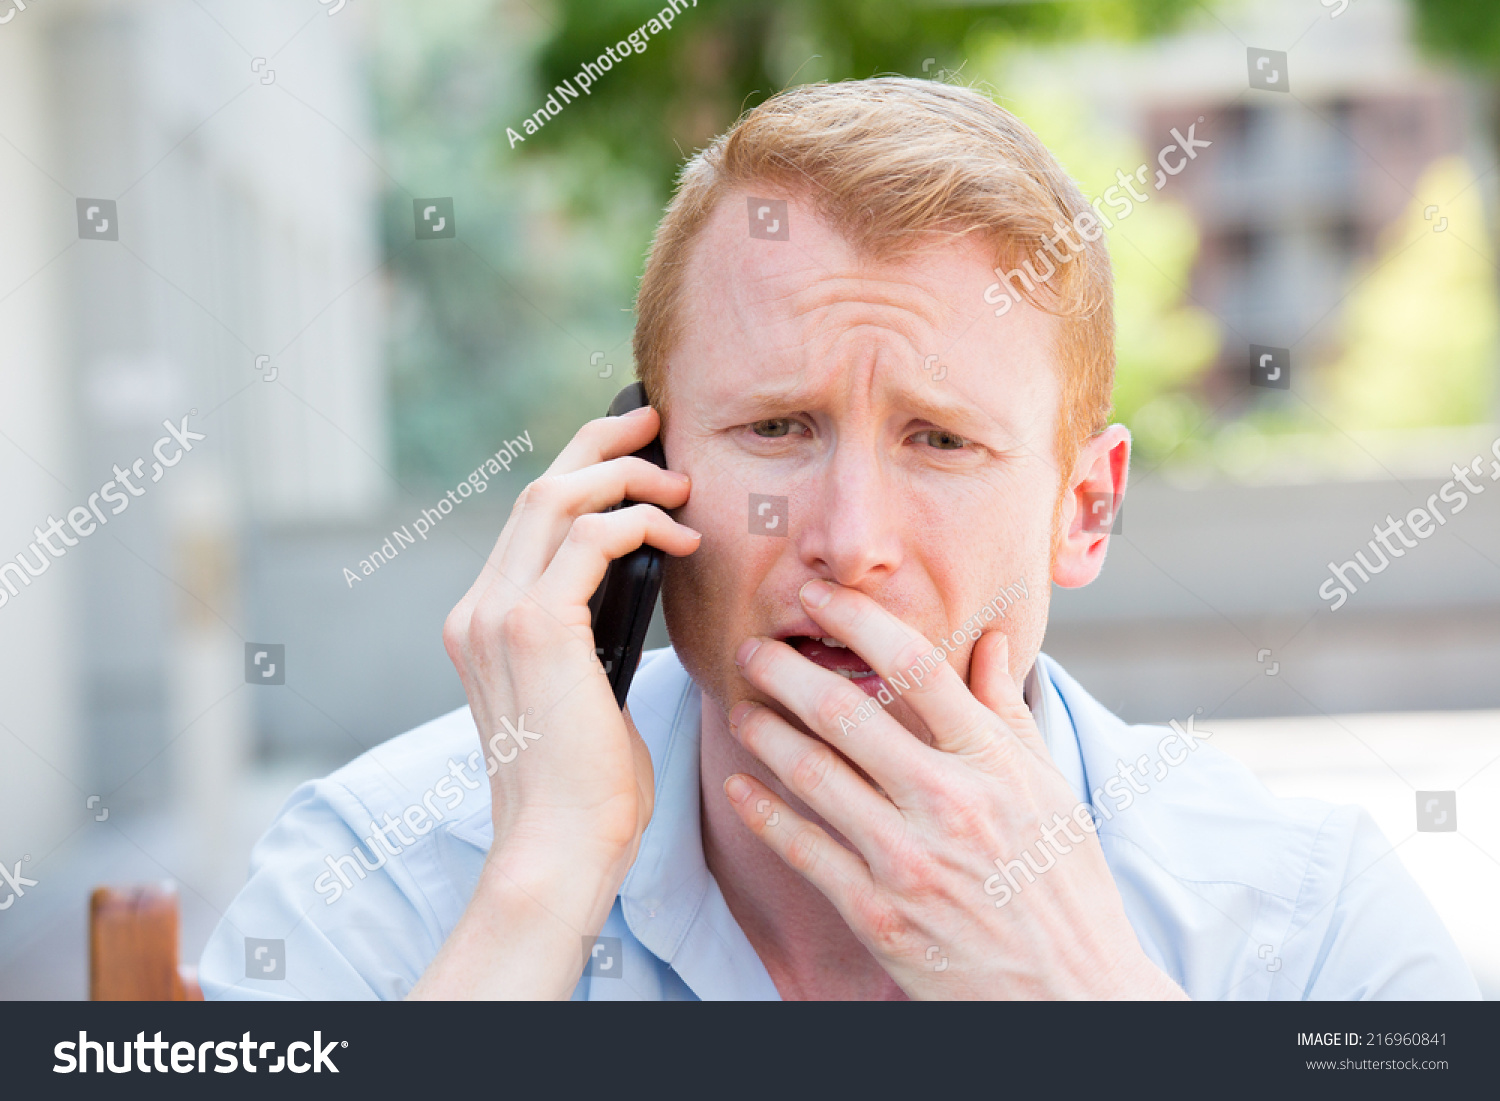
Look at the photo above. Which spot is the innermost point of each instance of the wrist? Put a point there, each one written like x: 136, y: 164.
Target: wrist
x: 1144, y: 981
x: 524, y: 931
x: 577, y: 884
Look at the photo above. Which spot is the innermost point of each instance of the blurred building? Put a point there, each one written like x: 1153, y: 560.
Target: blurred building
x: 1297, y: 188
x: 188, y: 210
x: 1214, y: 574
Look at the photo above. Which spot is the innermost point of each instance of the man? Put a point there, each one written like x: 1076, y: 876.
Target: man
x: 854, y: 775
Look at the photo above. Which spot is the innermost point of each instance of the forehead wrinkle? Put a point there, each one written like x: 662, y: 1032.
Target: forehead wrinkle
x: 857, y: 318
x: 872, y: 295
x: 811, y: 325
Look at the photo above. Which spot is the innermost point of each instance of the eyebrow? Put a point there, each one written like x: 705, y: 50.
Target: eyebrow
x: 772, y: 400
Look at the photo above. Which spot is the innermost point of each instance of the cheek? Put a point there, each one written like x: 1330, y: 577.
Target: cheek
x: 709, y: 598
x: 707, y: 508
x: 744, y: 531
x: 979, y: 524
x: 974, y: 544
x: 725, y: 569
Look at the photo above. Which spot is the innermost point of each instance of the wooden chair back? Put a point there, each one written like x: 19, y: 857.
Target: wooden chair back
x: 133, y: 946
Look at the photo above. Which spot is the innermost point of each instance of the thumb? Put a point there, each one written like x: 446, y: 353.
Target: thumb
x: 645, y: 774
x: 991, y: 683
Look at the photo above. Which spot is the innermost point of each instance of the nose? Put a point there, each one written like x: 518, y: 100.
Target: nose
x: 851, y: 531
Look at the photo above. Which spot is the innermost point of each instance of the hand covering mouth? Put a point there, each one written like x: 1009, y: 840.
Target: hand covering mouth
x: 832, y: 654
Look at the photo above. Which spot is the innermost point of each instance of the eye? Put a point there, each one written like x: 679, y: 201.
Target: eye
x: 941, y: 439
x: 776, y: 427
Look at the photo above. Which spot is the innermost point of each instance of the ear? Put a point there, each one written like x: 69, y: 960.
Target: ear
x: 1095, y: 491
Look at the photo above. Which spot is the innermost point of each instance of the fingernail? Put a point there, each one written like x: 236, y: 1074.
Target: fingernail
x: 815, y: 594
x: 640, y: 412
x: 746, y: 651
x: 738, y: 712
x: 679, y: 476
x: 737, y: 788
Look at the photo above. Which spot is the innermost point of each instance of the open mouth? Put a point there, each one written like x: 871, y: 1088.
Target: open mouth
x: 833, y: 655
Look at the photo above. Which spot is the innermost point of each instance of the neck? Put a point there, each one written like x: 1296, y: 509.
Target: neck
x: 805, y: 945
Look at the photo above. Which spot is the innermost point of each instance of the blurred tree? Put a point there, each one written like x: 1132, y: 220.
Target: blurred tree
x: 1420, y: 328
x: 498, y: 330
x: 1468, y: 30
x: 492, y: 332
x: 722, y: 57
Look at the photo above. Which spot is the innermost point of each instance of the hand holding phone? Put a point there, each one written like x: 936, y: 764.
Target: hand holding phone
x: 571, y: 781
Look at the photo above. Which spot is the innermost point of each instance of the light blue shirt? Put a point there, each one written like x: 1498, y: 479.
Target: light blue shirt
x: 1232, y: 892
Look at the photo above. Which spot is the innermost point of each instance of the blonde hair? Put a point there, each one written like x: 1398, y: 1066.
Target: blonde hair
x: 888, y: 162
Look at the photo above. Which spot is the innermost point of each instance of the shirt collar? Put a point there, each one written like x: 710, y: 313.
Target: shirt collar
x: 1056, y: 725
x: 669, y: 899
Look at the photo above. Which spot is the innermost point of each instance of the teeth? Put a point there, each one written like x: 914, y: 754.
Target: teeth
x: 852, y: 675
x: 834, y: 642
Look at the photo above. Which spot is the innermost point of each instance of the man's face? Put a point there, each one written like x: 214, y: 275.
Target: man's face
x: 909, y: 430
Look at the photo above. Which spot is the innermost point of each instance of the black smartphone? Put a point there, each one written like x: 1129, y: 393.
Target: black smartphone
x: 620, y: 609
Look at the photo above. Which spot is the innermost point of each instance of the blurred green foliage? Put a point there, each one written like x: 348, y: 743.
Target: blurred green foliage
x: 511, y: 325
x: 1468, y: 30
x: 722, y: 57
x: 1421, y: 325
x: 492, y: 332
x: 495, y: 331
